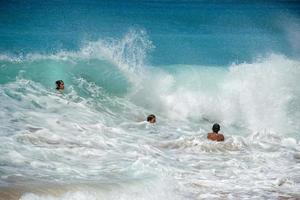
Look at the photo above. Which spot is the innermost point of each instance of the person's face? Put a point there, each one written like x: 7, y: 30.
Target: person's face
x: 61, y: 86
x: 153, y: 120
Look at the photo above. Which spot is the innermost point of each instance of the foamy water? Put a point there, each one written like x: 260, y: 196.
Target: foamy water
x: 85, y: 143
x: 92, y: 142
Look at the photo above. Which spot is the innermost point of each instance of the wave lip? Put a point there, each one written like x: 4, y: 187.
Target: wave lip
x: 258, y: 95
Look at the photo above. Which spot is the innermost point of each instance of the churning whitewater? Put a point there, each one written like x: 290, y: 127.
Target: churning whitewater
x: 92, y: 140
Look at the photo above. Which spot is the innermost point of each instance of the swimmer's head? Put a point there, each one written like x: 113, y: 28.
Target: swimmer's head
x: 216, y: 128
x: 151, y: 119
x: 60, y: 85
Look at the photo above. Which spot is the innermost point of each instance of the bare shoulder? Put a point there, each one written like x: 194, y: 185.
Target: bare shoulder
x: 221, y: 137
x: 209, y: 135
x: 215, y: 137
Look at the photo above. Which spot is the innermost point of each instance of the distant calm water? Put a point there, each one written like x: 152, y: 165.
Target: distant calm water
x: 191, y: 63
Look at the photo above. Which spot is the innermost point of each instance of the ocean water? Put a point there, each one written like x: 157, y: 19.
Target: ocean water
x: 191, y: 63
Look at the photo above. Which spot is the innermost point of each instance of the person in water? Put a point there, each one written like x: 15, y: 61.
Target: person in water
x: 60, y: 85
x: 215, y: 136
x: 151, y: 119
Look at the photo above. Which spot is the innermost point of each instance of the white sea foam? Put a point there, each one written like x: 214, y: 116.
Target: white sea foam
x: 113, y: 192
x: 260, y: 95
x: 127, y: 54
x: 88, y: 134
x: 257, y: 96
x: 68, y: 138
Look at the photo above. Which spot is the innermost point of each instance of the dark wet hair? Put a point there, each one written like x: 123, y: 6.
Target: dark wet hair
x: 216, y: 128
x: 58, y: 83
x: 150, y: 117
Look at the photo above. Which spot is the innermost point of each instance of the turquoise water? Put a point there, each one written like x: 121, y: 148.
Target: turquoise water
x: 192, y: 32
x: 191, y: 63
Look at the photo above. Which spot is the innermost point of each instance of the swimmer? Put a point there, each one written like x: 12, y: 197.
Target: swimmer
x: 60, y: 85
x: 215, y: 136
x: 151, y: 119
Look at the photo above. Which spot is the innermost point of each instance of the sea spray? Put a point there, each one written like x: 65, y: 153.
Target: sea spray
x: 95, y: 131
